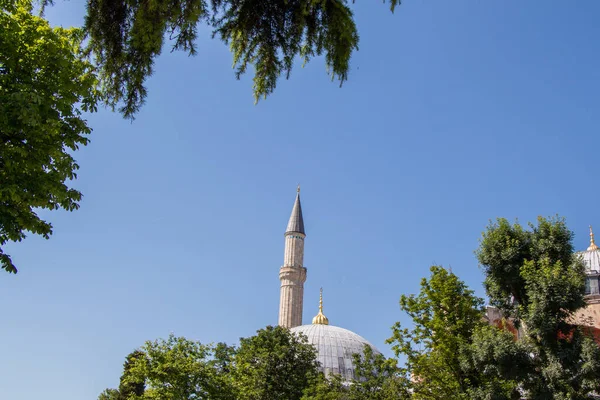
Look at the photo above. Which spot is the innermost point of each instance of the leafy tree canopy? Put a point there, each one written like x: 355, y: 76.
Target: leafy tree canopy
x: 45, y: 84
x: 126, y: 36
x: 445, y: 315
x: 535, y: 278
x: 377, y: 378
x: 175, y: 368
x: 273, y: 364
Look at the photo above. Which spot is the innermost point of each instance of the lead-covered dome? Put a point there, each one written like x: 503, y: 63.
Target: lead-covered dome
x: 591, y: 257
x: 335, y: 348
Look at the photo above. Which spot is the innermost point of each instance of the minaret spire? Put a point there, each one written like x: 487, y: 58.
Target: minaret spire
x: 593, y: 245
x: 293, y: 274
x: 296, y: 222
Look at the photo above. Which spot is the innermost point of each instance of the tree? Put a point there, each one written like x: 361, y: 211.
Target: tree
x: 274, y: 364
x: 535, y: 278
x: 175, y: 368
x: 109, y: 394
x: 45, y: 84
x: 130, y: 385
x: 438, y: 350
x: 326, y: 388
x: 377, y: 378
x: 126, y: 37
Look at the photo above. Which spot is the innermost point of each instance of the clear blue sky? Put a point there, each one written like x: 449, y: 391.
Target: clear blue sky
x: 456, y: 112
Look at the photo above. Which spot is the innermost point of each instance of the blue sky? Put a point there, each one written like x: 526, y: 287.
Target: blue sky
x: 456, y: 112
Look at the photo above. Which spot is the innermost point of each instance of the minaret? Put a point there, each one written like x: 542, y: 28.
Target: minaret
x: 293, y: 274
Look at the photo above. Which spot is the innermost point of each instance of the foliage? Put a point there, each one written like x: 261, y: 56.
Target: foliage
x: 536, y: 279
x: 175, y: 368
x: 445, y: 314
x: 45, y: 84
x: 274, y: 364
x: 376, y: 378
x: 126, y: 37
x: 496, y: 363
x: 132, y: 384
x: 109, y: 394
x: 504, y: 250
x: 330, y: 388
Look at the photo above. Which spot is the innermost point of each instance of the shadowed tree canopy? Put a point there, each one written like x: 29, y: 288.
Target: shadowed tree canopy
x: 126, y: 36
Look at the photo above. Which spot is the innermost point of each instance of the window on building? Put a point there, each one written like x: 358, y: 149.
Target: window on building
x: 591, y: 285
x: 587, y: 285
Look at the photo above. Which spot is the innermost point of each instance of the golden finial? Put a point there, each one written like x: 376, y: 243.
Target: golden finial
x: 321, y: 300
x: 592, y: 242
x: 320, y: 318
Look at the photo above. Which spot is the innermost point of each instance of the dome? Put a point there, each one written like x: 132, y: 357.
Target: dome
x: 591, y: 257
x: 335, y: 348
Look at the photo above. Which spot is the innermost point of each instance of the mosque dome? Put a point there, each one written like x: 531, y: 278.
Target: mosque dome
x: 591, y: 257
x: 335, y: 346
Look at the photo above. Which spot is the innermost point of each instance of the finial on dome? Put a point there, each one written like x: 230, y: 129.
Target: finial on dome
x: 320, y: 318
x: 593, y: 245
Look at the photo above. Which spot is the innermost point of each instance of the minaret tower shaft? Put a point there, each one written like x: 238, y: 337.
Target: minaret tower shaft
x: 293, y: 274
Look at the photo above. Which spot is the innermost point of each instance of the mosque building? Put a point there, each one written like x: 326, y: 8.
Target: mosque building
x: 335, y: 346
x: 590, y: 315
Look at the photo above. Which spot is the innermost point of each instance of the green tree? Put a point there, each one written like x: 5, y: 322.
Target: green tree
x: 126, y: 37
x: 535, y: 278
x: 109, y: 394
x: 175, y: 368
x: 274, y: 364
x: 132, y: 384
x: 326, y: 388
x: 377, y: 378
x: 45, y: 84
x: 445, y: 314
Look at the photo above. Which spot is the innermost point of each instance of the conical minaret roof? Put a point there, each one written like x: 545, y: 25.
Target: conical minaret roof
x: 296, y: 222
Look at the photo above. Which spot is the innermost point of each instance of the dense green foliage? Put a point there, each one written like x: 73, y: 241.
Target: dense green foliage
x: 438, y: 347
x: 376, y: 378
x: 273, y: 364
x: 45, y: 84
x: 536, y: 279
x: 126, y: 37
x: 130, y: 384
